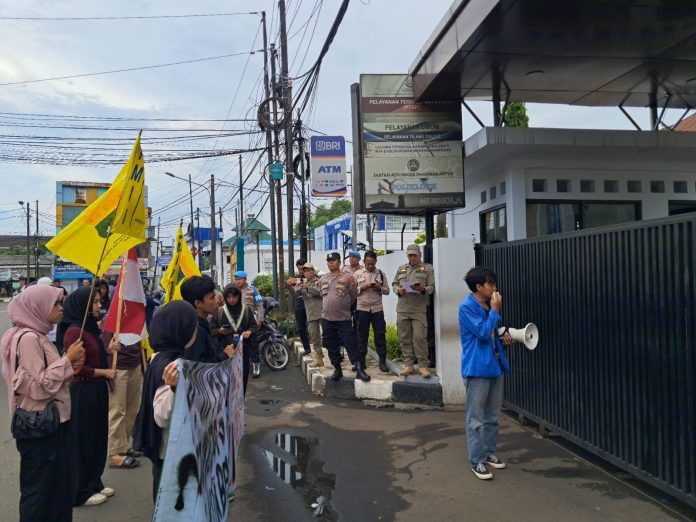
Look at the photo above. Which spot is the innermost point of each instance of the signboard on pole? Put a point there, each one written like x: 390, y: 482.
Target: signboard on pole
x: 328, y: 163
x: 411, y: 150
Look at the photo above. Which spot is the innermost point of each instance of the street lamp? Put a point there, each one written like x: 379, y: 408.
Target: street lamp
x: 213, y: 230
x: 21, y: 204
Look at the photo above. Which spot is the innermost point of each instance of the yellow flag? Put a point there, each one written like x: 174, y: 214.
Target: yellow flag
x: 182, y: 266
x: 86, y: 241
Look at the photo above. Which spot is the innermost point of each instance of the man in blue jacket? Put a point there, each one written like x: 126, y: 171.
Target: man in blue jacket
x: 483, y: 364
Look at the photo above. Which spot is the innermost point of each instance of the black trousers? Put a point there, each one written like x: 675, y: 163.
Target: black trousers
x: 88, y: 437
x: 379, y: 327
x: 336, y: 334
x: 301, y: 320
x: 253, y: 346
x: 246, y: 362
x: 156, y: 476
x: 45, y: 478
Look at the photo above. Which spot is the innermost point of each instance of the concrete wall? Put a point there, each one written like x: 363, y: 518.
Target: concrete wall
x: 452, y: 258
x: 518, y: 156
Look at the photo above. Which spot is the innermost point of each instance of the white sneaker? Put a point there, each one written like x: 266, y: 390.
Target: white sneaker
x: 107, y: 492
x: 95, y: 500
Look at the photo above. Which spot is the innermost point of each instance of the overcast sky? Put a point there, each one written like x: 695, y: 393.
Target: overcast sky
x: 377, y: 36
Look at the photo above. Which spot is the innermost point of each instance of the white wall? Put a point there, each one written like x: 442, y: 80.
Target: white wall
x: 518, y: 156
x: 450, y: 290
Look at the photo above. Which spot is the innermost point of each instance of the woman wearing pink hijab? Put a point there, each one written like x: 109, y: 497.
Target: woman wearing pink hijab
x: 36, y: 373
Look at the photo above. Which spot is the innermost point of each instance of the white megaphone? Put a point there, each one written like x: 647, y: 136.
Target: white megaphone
x: 529, y: 336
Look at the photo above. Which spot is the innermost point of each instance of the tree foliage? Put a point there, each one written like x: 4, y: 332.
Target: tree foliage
x: 323, y: 214
x: 516, y: 115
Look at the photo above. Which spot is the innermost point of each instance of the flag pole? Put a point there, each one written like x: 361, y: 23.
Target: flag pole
x: 119, y: 311
x: 101, y: 257
x: 94, y: 282
x: 173, y: 281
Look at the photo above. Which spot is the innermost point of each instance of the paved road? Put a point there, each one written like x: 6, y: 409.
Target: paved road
x: 373, y: 464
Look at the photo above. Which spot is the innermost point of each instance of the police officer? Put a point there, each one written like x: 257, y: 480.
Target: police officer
x: 254, y: 301
x: 339, y: 292
x: 413, y: 283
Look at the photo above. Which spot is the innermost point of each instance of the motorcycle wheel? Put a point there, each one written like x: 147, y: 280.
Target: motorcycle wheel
x: 275, y: 355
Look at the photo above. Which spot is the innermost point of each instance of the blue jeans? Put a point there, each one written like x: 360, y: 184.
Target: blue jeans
x: 484, y: 398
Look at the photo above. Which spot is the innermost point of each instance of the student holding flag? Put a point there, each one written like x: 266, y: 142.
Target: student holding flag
x: 126, y: 319
x: 104, y: 231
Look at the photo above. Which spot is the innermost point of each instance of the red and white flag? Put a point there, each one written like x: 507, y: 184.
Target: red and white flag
x: 129, y: 294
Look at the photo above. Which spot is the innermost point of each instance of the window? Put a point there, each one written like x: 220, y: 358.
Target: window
x: 491, y: 193
x: 634, y: 186
x: 681, y: 207
x: 494, y: 226
x: 562, y: 185
x: 680, y: 187
x: 611, y: 185
x: 587, y: 185
x: 550, y: 217
x: 538, y: 185
x: 502, y: 188
x: 483, y: 197
x: 80, y: 195
x: 657, y: 187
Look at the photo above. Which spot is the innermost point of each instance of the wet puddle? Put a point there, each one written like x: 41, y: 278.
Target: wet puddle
x: 303, y: 471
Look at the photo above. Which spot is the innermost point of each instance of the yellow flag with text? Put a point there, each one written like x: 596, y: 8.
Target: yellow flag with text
x: 87, y: 242
x: 182, y: 266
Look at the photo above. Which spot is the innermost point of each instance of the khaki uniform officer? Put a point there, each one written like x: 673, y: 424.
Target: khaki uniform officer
x: 414, y: 283
x: 339, y: 293
x: 310, y: 292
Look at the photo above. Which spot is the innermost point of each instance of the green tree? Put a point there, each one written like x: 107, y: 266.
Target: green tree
x: 516, y: 115
x: 323, y: 215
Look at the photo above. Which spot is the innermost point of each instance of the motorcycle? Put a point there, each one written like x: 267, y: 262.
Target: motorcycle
x: 272, y: 346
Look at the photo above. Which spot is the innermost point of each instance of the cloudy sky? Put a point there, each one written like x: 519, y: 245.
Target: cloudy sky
x: 44, y: 122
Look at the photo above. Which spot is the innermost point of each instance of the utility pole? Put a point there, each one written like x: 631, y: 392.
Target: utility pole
x: 240, y: 231
x: 279, y: 200
x: 213, y: 231
x: 198, y: 229
x: 193, y: 242
x: 304, y: 232
x: 287, y: 94
x: 28, y: 244
x: 36, y: 249
x: 157, y: 251
x: 222, y: 252
x: 269, y: 146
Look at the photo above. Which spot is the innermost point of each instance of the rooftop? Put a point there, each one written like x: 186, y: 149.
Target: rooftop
x: 576, y: 52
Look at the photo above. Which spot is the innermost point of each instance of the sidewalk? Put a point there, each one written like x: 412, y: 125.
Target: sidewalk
x: 387, y: 388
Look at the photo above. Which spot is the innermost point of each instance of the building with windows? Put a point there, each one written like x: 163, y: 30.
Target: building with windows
x: 387, y: 232
x: 523, y: 183
x: 72, y: 197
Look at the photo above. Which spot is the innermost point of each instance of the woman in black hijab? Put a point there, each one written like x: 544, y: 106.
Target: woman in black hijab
x: 89, y: 396
x: 172, y: 330
x: 234, y: 320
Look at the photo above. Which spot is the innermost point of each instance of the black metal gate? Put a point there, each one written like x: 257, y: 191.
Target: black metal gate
x: 615, y: 369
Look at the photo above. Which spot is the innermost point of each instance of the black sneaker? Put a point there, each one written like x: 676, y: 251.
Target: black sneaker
x: 481, y: 471
x: 494, y: 462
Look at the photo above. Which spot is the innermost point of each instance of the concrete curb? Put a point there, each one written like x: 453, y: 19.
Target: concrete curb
x: 383, y: 388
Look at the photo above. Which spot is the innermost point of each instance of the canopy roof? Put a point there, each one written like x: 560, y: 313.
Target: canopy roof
x: 575, y: 52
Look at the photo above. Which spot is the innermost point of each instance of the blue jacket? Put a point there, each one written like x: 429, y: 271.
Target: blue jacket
x: 475, y: 329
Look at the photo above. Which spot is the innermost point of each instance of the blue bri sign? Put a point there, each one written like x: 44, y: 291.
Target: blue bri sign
x: 328, y: 163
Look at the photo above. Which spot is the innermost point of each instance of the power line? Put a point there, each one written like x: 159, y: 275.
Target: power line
x: 94, y: 18
x: 38, y: 116
x: 129, y: 69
